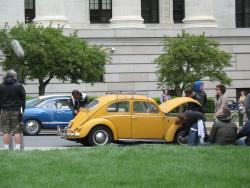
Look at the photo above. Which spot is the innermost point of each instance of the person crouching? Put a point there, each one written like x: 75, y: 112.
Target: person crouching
x: 194, y: 127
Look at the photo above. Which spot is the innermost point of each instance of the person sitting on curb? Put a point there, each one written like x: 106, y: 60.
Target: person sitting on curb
x: 224, y: 129
x: 194, y: 126
x: 244, y: 132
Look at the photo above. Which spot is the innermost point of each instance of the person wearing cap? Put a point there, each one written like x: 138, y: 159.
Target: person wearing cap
x: 224, y: 129
x: 78, y: 101
x: 12, y: 105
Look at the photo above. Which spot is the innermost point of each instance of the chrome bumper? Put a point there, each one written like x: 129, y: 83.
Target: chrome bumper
x: 63, y: 132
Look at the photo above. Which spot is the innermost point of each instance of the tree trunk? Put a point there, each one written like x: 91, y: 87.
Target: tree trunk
x: 43, y: 84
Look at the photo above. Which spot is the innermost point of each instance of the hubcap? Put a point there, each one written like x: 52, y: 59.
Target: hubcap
x: 100, y: 137
x: 32, y: 126
x: 182, y: 142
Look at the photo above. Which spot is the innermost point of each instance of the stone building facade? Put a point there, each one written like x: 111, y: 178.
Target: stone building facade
x: 133, y: 32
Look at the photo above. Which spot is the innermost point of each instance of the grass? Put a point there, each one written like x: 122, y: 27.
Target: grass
x: 131, y: 166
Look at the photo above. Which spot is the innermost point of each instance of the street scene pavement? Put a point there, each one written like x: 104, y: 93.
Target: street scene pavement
x: 48, y: 139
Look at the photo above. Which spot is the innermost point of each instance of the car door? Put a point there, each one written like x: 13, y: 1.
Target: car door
x: 48, y: 113
x: 64, y: 113
x: 119, y: 114
x: 147, y: 120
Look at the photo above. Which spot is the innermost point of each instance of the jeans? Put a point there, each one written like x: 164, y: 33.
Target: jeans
x: 193, y: 138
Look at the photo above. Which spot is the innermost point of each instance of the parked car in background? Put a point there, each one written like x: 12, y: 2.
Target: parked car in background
x: 46, y: 112
x: 233, y: 106
x: 125, y: 117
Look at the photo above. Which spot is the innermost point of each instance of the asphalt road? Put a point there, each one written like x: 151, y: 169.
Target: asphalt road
x: 45, y: 139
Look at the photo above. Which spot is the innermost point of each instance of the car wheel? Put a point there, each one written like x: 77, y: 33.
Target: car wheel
x: 99, y: 136
x: 32, y: 127
x: 178, y: 135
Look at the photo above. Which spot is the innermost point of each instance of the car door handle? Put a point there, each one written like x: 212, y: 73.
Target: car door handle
x: 133, y: 117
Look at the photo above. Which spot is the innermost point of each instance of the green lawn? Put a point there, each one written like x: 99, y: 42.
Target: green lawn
x: 131, y: 166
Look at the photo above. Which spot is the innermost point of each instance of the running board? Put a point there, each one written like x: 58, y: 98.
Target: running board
x: 142, y: 140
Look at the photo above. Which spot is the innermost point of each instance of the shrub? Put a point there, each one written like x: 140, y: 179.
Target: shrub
x: 210, y: 105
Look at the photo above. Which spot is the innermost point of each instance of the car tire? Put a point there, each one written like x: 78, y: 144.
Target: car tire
x: 99, y: 136
x: 177, y: 136
x: 32, y: 127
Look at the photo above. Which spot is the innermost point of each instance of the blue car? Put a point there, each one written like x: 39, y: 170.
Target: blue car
x: 46, y: 112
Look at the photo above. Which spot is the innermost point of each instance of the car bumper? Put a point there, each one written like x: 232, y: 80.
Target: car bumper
x: 66, y: 132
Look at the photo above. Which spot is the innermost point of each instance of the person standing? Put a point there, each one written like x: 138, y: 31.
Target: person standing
x: 224, y: 130
x: 241, y: 103
x: 200, y: 94
x: 221, y: 100
x: 165, y: 96
x: 77, y: 101
x: 247, y: 106
x: 12, y: 105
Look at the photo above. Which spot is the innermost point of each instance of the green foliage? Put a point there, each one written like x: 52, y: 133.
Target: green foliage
x: 210, y: 106
x: 49, y: 54
x: 157, y: 100
x: 91, y: 98
x: 188, y: 58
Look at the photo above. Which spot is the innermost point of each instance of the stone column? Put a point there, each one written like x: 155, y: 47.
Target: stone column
x: 77, y: 12
x: 126, y: 14
x: 199, y: 13
x: 51, y: 12
x: 166, y: 11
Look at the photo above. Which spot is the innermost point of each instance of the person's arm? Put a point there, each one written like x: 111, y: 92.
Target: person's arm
x: 224, y: 103
x: 205, y: 102
x: 212, y: 133
x: 71, y: 105
x: 22, y: 97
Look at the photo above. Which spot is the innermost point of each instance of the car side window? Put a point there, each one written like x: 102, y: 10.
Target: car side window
x: 62, y: 103
x: 152, y: 108
x: 145, y: 107
x: 119, y: 107
x: 49, y: 104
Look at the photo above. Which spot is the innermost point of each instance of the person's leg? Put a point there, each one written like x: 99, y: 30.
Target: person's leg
x: 6, y: 129
x: 17, y: 128
x: 193, y: 135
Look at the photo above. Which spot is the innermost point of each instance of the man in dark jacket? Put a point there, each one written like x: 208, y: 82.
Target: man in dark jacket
x: 245, y: 132
x: 12, y: 105
x: 224, y: 130
x: 78, y: 101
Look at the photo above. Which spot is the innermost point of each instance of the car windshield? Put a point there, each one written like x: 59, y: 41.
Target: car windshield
x: 92, y: 105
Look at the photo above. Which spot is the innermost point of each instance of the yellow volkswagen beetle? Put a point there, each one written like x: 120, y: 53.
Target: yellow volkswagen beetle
x: 118, y: 117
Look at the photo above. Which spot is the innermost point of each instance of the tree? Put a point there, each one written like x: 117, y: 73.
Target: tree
x: 49, y: 54
x: 188, y: 58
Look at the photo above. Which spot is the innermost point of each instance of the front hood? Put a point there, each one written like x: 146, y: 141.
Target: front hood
x: 171, y: 104
x: 80, y: 119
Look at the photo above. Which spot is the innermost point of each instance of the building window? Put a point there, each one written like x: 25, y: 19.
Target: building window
x: 179, y: 10
x: 150, y: 11
x: 100, y: 11
x: 242, y: 13
x: 30, y: 12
